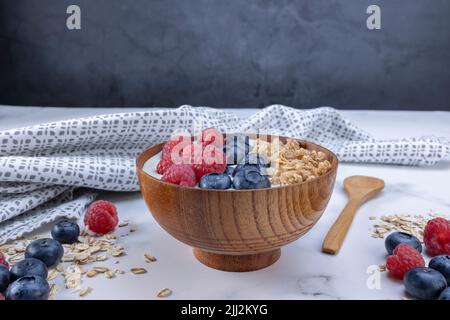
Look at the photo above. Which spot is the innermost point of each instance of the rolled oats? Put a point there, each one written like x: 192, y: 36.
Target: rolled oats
x: 138, y: 270
x: 149, y: 258
x: 91, y: 273
x: 85, y: 291
x: 292, y: 163
x: 164, y: 293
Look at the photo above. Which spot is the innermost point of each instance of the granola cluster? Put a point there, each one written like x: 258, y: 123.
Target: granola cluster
x: 291, y: 163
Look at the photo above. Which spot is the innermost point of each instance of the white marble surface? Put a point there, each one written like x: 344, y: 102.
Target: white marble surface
x: 302, y: 272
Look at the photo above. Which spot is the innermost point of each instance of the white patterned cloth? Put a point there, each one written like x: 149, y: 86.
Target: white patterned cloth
x: 43, y: 166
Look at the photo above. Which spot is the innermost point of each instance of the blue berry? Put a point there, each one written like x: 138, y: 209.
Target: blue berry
x: 250, y: 179
x: 234, y: 149
x: 256, y: 159
x: 5, y: 277
x: 29, y: 267
x: 66, y: 231
x: 395, y: 238
x: 246, y: 167
x: 445, y: 295
x: 229, y: 170
x: 424, y: 283
x: 28, y: 288
x: 49, y: 251
x: 215, y: 181
x: 441, y: 264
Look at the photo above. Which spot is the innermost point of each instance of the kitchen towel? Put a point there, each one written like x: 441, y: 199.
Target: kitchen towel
x: 51, y: 170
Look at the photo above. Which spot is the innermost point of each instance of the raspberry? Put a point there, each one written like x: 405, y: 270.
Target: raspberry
x: 2, y: 297
x: 436, y: 236
x: 212, y: 160
x: 163, y: 164
x: 211, y: 136
x: 175, y: 144
x: 204, y: 161
x: 174, y: 141
x: 101, y: 217
x: 3, y: 260
x: 403, y: 259
x: 181, y: 174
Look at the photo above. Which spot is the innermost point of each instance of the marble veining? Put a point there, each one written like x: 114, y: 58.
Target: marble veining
x: 302, y: 272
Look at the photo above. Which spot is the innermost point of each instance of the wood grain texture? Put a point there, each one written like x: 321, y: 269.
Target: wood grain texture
x: 239, y: 222
x: 359, y: 189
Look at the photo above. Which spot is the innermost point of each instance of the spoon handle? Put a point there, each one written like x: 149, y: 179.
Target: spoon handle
x: 336, y: 235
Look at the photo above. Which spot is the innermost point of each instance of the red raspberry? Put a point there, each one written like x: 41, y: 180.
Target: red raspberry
x: 163, y: 164
x: 181, y: 174
x: 211, y: 136
x: 3, y: 260
x: 101, y: 217
x: 2, y: 297
x: 173, y: 142
x: 211, y: 160
x: 204, y: 160
x: 403, y: 259
x: 436, y: 236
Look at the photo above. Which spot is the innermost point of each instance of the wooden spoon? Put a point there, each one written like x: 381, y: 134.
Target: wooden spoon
x: 359, y: 190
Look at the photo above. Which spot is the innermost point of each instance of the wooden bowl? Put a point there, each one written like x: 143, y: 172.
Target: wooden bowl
x: 237, y: 230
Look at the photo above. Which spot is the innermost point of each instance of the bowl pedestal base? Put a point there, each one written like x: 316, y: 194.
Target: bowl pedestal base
x: 237, y: 263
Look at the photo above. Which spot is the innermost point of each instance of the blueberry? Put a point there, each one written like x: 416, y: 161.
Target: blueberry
x: 445, y: 295
x: 66, y: 231
x: 29, y: 267
x: 395, y: 238
x: 257, y: 159
x: 242, y: 167
x: 250, y: 179
x: 235, y: 149
x: 5, y: 277
x: 424, y: 283
x: 28, y: 288
x: 48, y: 251
x: 229, y: 170
x: 441, y: 264
x: 215, y: 181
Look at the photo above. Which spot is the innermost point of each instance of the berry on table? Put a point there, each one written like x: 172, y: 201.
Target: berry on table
x: 49, y: 251
x: 436, y: 236
x: 29, y: 267
x: 445, y: 295
x: 181, y: 174
x: 215, y: 181
x: 3, y: 260
x: 250, y: 179
x: 101, y: 217
x: 66, y: 232
x: 403, y: 259
x: 395, y: 238
x: 28, y: 288
x: 424, y: 283
x: 441, y: 264
x: 5, y: 278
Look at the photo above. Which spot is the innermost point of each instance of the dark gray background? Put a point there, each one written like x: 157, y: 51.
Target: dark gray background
x: 226, y: 53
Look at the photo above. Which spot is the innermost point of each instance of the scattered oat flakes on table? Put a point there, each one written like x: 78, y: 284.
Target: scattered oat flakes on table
x: 149, y: 258
x: 85, y: 291
x: 138, y: 270
x: 164, y: 293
